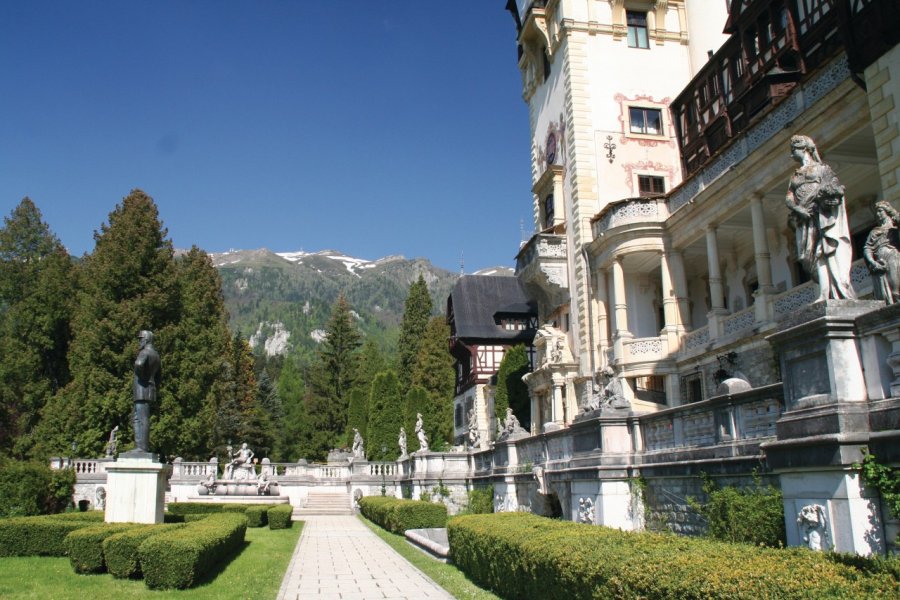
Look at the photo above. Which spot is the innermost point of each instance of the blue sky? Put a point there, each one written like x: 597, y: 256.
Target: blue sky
x: 373, y: 128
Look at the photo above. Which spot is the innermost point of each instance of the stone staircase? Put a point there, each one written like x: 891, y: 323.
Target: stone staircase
x: 331, y: 502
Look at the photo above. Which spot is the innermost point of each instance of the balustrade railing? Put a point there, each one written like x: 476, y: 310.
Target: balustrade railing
x: 744, y: 416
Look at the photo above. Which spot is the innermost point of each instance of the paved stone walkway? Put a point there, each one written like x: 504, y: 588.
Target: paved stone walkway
x: 338, y: 557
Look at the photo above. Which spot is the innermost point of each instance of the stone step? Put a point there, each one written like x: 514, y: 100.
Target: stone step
x: 324, y: 503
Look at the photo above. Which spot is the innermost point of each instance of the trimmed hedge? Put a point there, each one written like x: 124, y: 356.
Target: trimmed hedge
x: 32, y: 488
x: 42, y: 536
x: 179, y: 558
x: 256, y: 513
x: 280, y: 516
x: 400, y: 515
x: 524, y: 556
x: 121, y: 549
x: 85, y: 546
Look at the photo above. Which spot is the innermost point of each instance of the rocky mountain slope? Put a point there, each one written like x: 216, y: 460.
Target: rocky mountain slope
x: 281, y: 301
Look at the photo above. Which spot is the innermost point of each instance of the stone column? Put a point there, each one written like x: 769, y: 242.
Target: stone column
x: 603, y: 341
x: 557, y: 410
x: 679, y: 280
x: 763, y: 260
x: 670, y: 307
x: 716, y: 292
x: 622, y: 332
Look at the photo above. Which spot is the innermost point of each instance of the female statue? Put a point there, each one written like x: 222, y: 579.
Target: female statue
x: 819, y: 218
x: 882, y: 255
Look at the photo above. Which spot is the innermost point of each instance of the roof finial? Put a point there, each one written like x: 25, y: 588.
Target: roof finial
x: 462, y: 262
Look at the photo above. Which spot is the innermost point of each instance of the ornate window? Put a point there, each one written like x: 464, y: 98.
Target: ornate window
x: 548, y: 211
x: 645, y: 121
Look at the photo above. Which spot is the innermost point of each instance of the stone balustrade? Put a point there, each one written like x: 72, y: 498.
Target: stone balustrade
x: 742, y: 419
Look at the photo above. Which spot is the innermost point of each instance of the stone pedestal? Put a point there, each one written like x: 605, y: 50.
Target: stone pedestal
x: 136, y: 487
x: 823, y: 429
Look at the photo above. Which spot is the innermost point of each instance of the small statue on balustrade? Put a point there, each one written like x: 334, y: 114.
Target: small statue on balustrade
x: 474, y: 436
x: 113, y: 444
x: 420, y: 433
x: 882, y: 254
x: 401, y: 441
x: 613, y: 394
x: 359, y: 450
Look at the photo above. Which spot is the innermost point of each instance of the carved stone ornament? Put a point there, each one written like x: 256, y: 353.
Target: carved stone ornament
x: 813, y: 526
x: 586, y: 511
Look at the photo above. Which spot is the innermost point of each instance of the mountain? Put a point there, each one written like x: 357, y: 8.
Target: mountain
x: 281, y: 301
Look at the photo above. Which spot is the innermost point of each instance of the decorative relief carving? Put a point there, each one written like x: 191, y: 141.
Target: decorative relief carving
x: 555, y: 274
x: 740, y: 322
x: 645, y: 346
x: 586, y: 511
x: 696, y: 338
x: 795, y: 298
x: 659, y: 434
x: 813, y: 526
x: 551, y: 248
x: 828, y: 79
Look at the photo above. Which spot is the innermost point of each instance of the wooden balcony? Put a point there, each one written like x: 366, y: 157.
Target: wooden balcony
x: 774, y: 45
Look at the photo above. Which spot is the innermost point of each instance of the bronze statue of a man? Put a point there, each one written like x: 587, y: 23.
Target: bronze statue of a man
x: 146, y: 380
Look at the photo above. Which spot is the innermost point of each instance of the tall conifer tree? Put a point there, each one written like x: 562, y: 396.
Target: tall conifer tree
x: 36, y: 285
x: 434, y: 373
x: 128, y: 285
x: 385, y: 417
x: 332, y: 377
x: 416, y: 313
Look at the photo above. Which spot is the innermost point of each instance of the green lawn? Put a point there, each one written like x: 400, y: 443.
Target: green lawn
x: 255, y: 573
x: 445, y: 575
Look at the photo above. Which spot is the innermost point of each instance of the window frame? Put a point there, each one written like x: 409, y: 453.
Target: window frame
x: 644, y: 130
x: 651, y: 179
x: 634, y: 29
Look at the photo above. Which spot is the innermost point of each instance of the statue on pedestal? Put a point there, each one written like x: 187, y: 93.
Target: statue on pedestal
x: 113, y: 443
x: 240, y: 466
x: 401, y: 441
x: 882, y: 255
x: 358, y: 446
x: 146, y: 382
x: 818, y: 216
x: 474, y: 436
x: 420, y: 433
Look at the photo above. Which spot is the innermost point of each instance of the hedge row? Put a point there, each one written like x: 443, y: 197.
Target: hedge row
x: 44, y: 535
x: 524, y: 556
x: 85, y: 546
x: 400, y: 515
x: 280, y: 516
x: 120, y: 551
x: 179, y: 558
x: 256, y: 513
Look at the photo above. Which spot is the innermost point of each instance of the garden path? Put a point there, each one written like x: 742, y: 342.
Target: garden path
x: 339, y: 558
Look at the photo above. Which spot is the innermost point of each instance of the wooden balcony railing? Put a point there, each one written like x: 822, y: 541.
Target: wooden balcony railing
x: 774, y: 45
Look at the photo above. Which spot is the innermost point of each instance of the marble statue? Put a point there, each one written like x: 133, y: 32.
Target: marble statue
x: 113, y: 444
x: 882, y: 254
x: 613, y: 395
x: 262, y: 484
x: 146, y: 381
x: 812, y: 524
x: 240, y: 466
x: 511, y: 423
x: 358, y: 445
x: 420, y: 433
x: 473, y: 429
x: 209, y: 484
x: 100, y: 498
x: 401, y: 441
x: 586, y: 511
x: 818, y: 216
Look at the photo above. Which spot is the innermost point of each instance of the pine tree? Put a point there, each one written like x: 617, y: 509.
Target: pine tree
x: 128, y: 284
x: 293, y: 441
x: 357, y: 413
x: 511, y: 391
x: 416, y: 313
x: 332, y: 378
x: 385, y: 417
x: 36, y: 285
x: 434, y: 373
x: 416, y: 402
x: 194, y: 372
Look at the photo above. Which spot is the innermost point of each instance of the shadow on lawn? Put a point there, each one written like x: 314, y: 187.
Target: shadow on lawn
x: 220, y: 566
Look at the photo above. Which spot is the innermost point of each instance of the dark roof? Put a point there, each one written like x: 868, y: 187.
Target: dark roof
x: 476, y: 299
